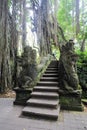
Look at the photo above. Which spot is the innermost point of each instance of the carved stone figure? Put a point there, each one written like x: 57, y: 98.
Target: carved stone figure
x: 28, y: 72
x: 68, y: 77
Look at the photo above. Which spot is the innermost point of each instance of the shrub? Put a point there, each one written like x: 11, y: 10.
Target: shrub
x: 82, y: 71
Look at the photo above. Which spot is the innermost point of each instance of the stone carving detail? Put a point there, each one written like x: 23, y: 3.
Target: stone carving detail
x: 28, y: 65
x: 68, y: 78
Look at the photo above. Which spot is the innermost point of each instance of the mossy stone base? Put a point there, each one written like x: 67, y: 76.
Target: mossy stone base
x: 71, y: 101
x: 22, y: 95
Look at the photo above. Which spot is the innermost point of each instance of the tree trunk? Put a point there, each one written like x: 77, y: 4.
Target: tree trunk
x: 83, y: 45
x: 14, y: 39
x: 8, y: 45
x: 73, y: 17
x: 24, y: 25
x: 77, y: 18
x: 83, y: 6
x: 5, y: 62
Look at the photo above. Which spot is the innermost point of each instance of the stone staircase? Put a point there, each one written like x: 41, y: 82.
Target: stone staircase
x: 44, y: 101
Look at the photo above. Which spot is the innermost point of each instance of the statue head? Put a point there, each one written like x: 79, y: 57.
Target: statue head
x: 33, y: 55
x: 27, y: 49
x: 70, y: 45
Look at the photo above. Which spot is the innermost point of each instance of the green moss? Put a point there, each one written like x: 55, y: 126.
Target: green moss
x: 63, y: 100
x: 41, y: 70
x: 71, y: 103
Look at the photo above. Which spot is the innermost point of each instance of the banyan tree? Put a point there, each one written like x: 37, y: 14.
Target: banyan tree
x: 13, y: 33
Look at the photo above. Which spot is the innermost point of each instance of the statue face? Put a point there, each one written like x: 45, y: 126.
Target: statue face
x: 27, y: 49
x: 34, y: 54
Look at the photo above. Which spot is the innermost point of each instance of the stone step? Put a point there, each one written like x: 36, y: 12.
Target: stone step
x: 52, y: 68
x: 50, y: 75
x: 45, y: 95
x: 49, y: 79
x: 51, y: 71
x: 45, y: 113
x: 53, y: 64
x: 46, y: 89
x: 47, y: 83
x: 43, y: 103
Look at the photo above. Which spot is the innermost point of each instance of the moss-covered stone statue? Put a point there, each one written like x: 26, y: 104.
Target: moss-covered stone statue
x: 70, y: 92
x: 68, y: 77
x: 28, y: 72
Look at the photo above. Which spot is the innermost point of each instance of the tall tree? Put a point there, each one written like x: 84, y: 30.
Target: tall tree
x: 8, y: 46
x: 5, y: 70
x: 73, y: 18
x: 83, y: 30
x: 77, y: 17
x: 24, y: 25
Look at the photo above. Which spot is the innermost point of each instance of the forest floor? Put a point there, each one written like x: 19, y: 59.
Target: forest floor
x: 9, y: 94
x: 85, y: 108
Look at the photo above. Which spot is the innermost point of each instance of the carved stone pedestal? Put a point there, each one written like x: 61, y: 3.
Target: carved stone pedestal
x: 22, y: 95
x: 71, y: 101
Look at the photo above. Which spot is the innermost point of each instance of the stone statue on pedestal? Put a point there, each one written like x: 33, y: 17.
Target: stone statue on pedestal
x: 70, y: 91
x: 28, y: 72
x: 68, y: 78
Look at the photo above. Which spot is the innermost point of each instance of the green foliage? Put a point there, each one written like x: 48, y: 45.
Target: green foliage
x: 9, y: 3
x: 64, y: 17
x: 55, y: 51
x: 82, y: 71
x: 82, y: 57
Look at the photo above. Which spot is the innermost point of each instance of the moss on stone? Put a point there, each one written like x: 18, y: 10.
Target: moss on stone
x: 41, y: 69
x: 69, y: 102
